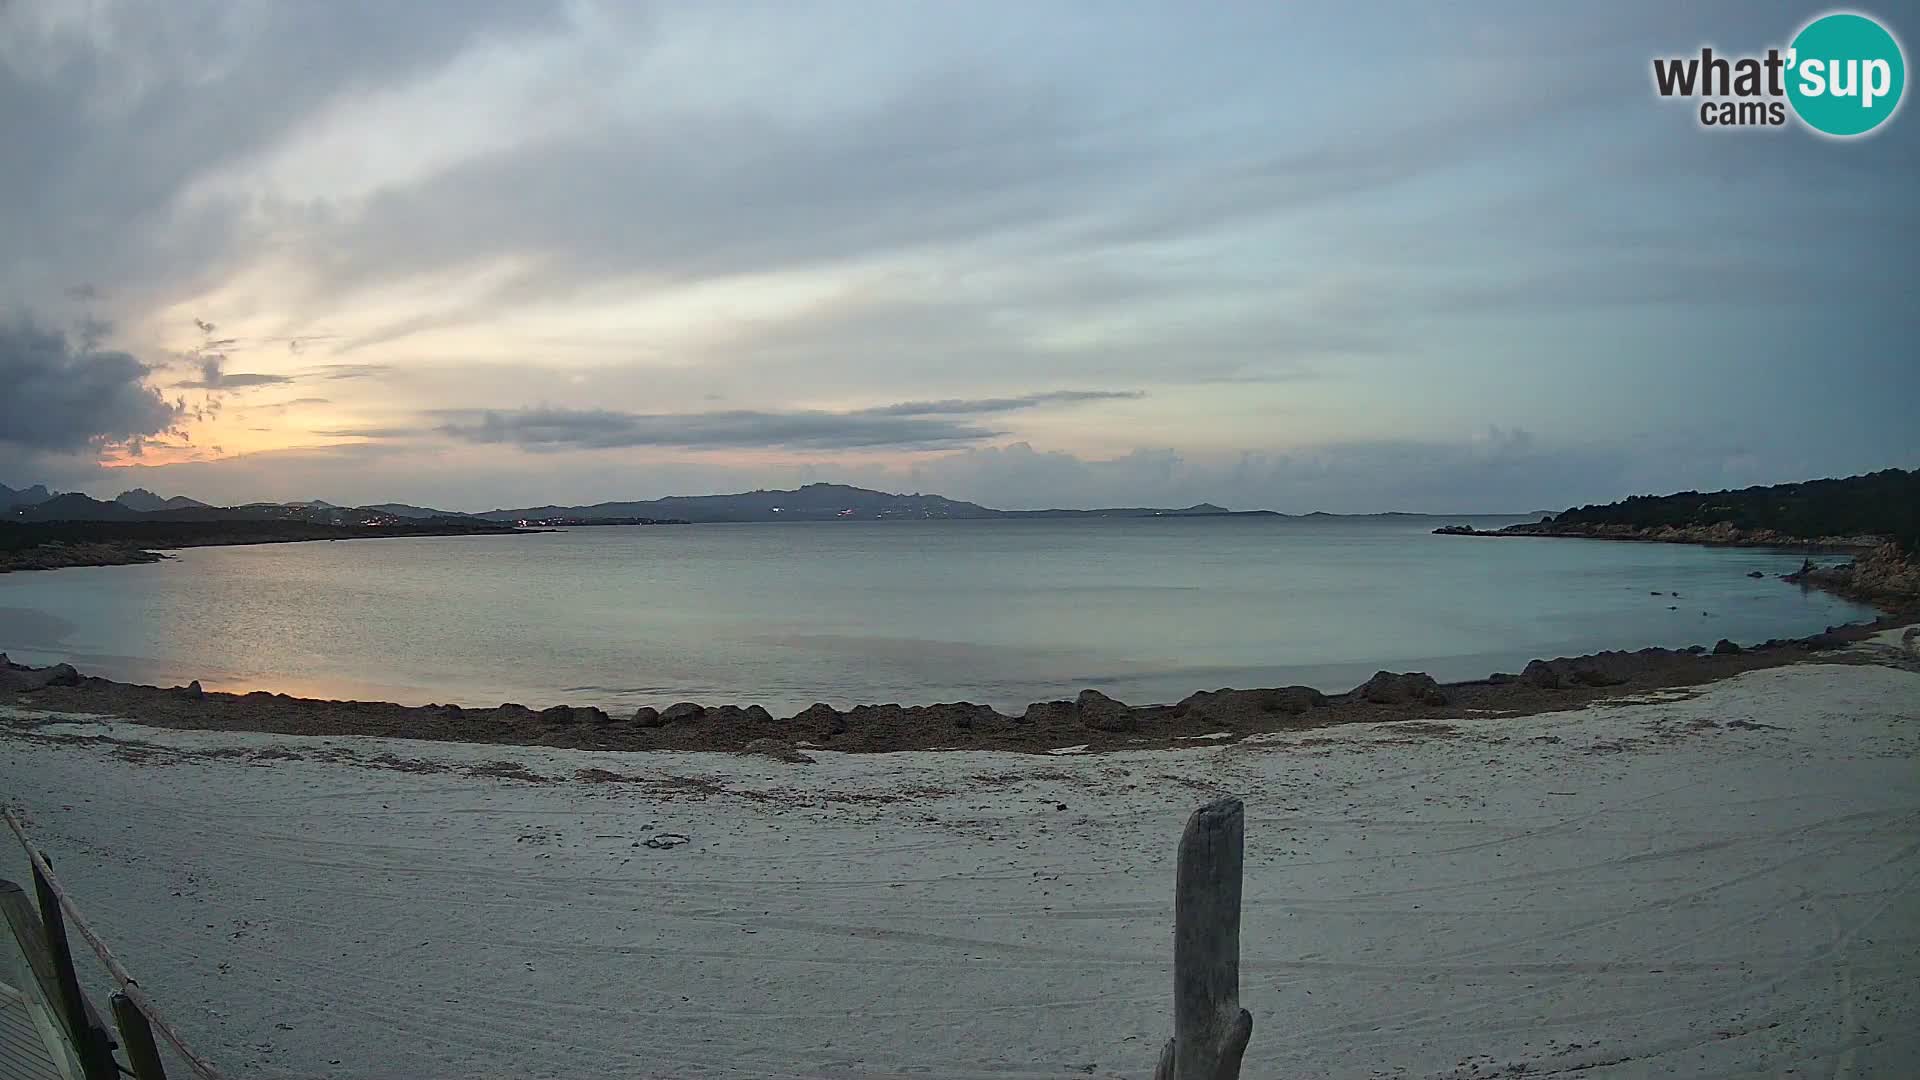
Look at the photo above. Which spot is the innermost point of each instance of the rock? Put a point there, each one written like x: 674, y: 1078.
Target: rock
x: 682, y: 710
x: 648, y: 717
x: 1755, y: 574
x: 777, y: 750
x: 18, y: 678
x: 1591, y: 674
x: 592, y: 714
x: 822, y: 716
x: 452, y: 711
x: 759, y: 715
x: 559, y: 714
x: 1050, y: 712
x: 513, y: 710
x: 1502, y: 678
x: 1395, y: 688
x: 734, y: 714
x: 1102, y: 713
x: 1228, y: 705
x: 963, y: 715
x: 1723, y: 647
x: 192, y: 690
x: 1696, y: 650
x: 1542, y: 674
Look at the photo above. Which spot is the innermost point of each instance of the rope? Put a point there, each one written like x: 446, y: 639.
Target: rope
x: 200, y: 1066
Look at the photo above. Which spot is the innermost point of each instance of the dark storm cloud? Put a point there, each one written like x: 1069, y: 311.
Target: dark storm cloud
x: 64, y: 396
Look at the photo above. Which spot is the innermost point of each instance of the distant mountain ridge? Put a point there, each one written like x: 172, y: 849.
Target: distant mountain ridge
x: 146, y: 501
x: 812, y: 502
x: 830, y: 502
x: 29, y: 496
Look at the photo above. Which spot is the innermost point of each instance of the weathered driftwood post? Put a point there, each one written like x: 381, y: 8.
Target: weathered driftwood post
x: 1210, y: 1029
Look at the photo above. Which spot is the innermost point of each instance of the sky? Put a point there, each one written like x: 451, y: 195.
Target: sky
x: 1353, y: 258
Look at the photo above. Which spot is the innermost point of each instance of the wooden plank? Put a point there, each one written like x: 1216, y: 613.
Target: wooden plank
x: 1210, y: 1029
x: 137, y: 1037
x: 89, y: 1039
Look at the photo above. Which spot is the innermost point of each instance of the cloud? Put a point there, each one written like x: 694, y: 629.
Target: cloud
x: 964, y: 407
x: 214, y: 377
x: 539, y: 429
x: 902, y: 426
x: 62, y: 396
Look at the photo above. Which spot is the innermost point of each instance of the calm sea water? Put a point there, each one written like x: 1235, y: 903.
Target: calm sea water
x: 785, y: 615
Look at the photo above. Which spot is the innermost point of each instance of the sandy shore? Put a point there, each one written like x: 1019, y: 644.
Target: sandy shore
x: 1712, y: 881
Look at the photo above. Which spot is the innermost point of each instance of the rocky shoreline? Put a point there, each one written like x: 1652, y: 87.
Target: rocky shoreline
x: 1880, y: 573
x: 1092, y: 720
x: 1719, y: 535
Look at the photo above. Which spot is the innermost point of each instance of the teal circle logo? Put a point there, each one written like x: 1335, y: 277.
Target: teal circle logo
x: 1845, y: 74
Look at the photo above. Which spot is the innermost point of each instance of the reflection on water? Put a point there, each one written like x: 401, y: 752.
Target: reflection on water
x: 784, y: 615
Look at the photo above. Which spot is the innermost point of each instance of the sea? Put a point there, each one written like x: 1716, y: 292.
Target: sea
x: 1002, y: 612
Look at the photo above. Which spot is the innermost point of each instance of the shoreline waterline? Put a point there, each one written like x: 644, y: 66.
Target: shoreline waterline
x: 1089, y: 721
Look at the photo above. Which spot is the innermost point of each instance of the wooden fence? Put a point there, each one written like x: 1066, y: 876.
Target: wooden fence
x: 42, y: 935
x: 1210, y: 1029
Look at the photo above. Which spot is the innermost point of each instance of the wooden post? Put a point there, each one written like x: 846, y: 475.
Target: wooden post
x: 89, y: 1043
x: 137, y: 1037
x: 1210, y: 1029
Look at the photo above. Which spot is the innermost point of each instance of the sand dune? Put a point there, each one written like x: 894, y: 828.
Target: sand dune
x: 1716, y: 882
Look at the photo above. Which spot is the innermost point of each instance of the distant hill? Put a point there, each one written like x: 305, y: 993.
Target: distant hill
x: 146, y: 501
x: 11, y: 497
x: 406, y: 511
x: 814, y: 502
x: 827, y: 502
x: 73, y: 506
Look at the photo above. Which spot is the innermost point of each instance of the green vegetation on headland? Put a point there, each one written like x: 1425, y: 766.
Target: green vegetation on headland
x: 1857, y: 512
x: 1876, y: 515
x: 1884, y: 504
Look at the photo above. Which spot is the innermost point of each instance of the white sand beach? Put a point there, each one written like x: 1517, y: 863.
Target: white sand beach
x: 1716, y: 882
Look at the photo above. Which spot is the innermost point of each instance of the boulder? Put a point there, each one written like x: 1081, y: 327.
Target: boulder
x: 513, y: 710
x: 682, y: 710
x: 1230, y: 705
x: 592, y: 714
x: 1050, y: 712
x: 822, y: 717
x: 19, y: 678
x: 964, y: 715
x: 648, y: 716
x: 1102, y: 713
x: 192, y: 690
x: 1396, y: 688
x: 1723, y: 647
x: 1596, y: 674
x: 1541, y: 674
x: 734, y: 714
x: 559, y: 714
x: 778, y: 750
x: 1755, y: 574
